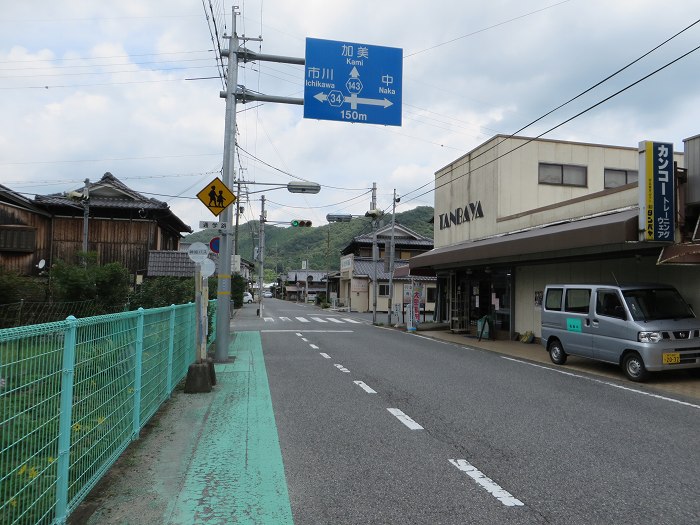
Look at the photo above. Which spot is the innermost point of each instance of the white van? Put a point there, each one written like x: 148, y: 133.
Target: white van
x: 642, y: 328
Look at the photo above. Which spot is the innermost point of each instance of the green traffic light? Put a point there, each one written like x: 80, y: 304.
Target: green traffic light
x: 300, y: 223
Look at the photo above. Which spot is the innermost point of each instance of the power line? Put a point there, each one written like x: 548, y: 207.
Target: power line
x: 597, y: 84
x: 485, y: 29
x: 529, y: 140
x: 290, y: 174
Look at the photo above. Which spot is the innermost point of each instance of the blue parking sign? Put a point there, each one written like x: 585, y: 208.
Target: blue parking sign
x: 352, y: 82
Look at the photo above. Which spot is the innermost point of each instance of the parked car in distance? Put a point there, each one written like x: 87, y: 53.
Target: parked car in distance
x: 641, y: 327
x: 247, y: 298
x: 267, y: 294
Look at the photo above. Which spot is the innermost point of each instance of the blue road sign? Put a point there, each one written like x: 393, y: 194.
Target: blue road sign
x: 352, y: 82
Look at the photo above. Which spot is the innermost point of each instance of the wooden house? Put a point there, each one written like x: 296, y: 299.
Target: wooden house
x: 25, y: 233
x: 122, y: 224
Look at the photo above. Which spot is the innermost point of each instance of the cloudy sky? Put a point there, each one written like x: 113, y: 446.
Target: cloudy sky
x: 132, y: 88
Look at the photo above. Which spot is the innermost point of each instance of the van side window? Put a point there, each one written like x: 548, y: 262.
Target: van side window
x: 608, y: 304
x: 577, y: 300
x: 553, y: 299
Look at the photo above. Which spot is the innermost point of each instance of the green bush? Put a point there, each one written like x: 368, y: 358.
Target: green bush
x: 108, y: 284
x: 155, y: 292
x: 14, y: 288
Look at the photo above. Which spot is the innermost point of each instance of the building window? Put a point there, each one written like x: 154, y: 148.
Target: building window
x: 17, y: 239
x: 432, y: 295
x: 383, y: 290
x: 563, y: 175
x: 617, y: 178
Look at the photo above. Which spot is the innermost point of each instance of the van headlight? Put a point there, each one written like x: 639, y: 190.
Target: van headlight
x: 649, y: 337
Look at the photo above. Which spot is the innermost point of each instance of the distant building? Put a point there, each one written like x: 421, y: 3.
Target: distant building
x: 305, y: 285
x: 357, y: 271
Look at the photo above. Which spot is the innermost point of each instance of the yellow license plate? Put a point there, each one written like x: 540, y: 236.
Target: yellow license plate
x: 671, y: 358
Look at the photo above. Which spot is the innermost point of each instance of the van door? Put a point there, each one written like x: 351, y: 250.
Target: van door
x: 577, y: 305
x: 609, y: 325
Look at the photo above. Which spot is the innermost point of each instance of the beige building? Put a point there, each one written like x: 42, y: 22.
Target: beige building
x: 358, y: 272
x: 517, y: 213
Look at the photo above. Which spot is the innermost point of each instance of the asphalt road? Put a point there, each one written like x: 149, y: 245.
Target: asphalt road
x: 381, y: 426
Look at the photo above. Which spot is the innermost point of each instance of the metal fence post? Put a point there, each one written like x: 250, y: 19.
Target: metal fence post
x: 138, y: 367
x: 171, y: 349
x: 65, y: 417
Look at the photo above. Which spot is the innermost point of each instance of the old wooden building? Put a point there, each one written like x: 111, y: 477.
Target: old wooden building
x: 116, y: 222
x: 25, y: 233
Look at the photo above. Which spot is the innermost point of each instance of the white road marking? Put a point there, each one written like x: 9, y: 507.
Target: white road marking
x: 298, y: 334
x: 269, y: 319
x: 493, y: 488
x: 314, y: 347
x: 341, y: 368
x: 285, y: 319
x: 325, y: 355
x: 351, y: 320
x: 334, y: 320
x: 270, y: 331
x: 365, y: 387
x: 319, y: 320
x: 607, y: 383
x: 305, y: 339
x: 303, y: 319
x: 405, y: 419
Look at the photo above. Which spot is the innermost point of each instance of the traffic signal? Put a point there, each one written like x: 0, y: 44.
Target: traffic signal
x: 301, y: 223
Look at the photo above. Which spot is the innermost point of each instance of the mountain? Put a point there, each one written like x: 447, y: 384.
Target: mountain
x: 286, y: 247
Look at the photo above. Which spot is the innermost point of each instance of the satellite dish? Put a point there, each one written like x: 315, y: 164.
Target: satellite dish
x: 41, y: 264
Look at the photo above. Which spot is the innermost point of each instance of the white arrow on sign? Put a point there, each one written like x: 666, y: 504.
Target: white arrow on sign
x: 354, y: 100
x: 354, y: 73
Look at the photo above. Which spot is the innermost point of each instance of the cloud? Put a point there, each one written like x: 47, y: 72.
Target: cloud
x: 117, y: 98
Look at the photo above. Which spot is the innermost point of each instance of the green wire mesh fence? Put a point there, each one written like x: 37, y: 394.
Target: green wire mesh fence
x: 74, y: 394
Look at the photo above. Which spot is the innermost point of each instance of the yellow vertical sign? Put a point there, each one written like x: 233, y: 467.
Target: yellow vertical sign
x: 216, y: 196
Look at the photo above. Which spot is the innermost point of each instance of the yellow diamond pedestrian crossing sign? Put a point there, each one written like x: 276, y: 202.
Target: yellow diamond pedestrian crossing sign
x: 216, y: 196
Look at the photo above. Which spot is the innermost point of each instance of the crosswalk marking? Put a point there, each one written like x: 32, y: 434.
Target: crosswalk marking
x: 313, y: 318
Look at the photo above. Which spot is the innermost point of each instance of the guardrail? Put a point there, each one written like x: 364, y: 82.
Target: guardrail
x: 74, y: 394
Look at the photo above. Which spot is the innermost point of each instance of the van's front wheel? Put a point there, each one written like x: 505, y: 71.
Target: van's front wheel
x: 633, y: 366
x: 556, y: 352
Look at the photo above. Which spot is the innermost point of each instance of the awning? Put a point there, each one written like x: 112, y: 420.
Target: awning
x: 684, y: 253
x: 611, y: 229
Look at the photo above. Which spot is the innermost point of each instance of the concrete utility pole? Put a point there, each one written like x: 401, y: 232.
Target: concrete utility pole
x: 375, y: 222
x: 223, y: 303
x: 261, y: 257
x: 391, y: 257
x: 236, y: 53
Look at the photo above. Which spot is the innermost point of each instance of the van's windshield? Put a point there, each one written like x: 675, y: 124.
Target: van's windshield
x: 656, y: 303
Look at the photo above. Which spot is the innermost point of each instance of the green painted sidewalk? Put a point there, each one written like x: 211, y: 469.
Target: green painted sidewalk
x: 236, y: 474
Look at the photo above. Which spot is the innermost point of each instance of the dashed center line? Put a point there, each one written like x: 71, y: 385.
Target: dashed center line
x: 365, y: 387
x: 493, y: 488
x: 341, y: 368
x: 325, y: 355
x: 405, y: 419
x: 313, y: 346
